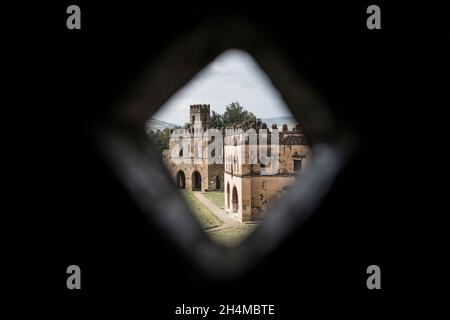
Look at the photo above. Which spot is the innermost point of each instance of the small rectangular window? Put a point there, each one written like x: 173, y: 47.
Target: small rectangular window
x: 297, y: 165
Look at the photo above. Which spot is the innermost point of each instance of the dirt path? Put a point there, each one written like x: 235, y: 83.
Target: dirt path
x: 228, y: 220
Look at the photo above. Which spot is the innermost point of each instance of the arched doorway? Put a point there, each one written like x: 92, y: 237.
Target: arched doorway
x: 235, y: 200
x: 196, y: 181
x: 181, y: 180
x: 228, y: 195
x: 218, y: 183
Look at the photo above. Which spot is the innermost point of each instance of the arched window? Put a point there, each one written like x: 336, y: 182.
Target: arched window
x: 235, y: 200
x: 181, y: 180
x: 180, y: 145
x: 196, y: 181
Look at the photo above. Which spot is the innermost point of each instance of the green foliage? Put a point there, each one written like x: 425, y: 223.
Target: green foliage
x: 216, y: 120
x: 236, y: 114
x: 160, y: 139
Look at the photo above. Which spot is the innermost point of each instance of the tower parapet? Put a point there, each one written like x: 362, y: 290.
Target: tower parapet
x: 295, y: 136
x: 205, y: 107
x: 199, y: 116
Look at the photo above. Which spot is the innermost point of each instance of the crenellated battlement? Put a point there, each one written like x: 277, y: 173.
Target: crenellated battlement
x: 200, y: 107
x: 240, y: 129
x: 199, y: 115
x: 238, y: 135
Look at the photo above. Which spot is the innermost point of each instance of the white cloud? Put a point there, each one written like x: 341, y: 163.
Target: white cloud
x: 233, y: 76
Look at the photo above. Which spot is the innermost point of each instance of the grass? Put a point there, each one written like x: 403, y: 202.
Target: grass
x: 232, y: 236
x: 229, y: 236
x: 205, y: 217
x: 216, y: 197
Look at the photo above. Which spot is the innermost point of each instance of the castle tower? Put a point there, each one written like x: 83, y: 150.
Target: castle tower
x: 199, y: 116
x: 194, y: 172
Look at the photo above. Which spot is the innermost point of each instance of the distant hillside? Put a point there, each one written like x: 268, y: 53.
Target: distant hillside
x: 155, y: 125
x: 279, y: 121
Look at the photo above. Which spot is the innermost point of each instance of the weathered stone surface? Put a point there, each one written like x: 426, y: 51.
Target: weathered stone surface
x: 248, y: 192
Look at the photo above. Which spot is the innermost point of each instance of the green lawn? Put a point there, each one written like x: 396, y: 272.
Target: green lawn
x: 206, y: 218
x: 216, y: 197
x: 232, y: 236
x: 227, y: 237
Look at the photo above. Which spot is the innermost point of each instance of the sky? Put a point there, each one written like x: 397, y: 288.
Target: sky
x: 232, y: 76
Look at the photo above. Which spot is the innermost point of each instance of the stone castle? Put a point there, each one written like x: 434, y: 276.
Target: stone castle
x: 195, y: 174
x: 248, y: 191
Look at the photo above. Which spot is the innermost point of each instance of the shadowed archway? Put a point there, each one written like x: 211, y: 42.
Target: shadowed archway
x: 196, y: 181
x: 218, y: 183
x: 235, y: 200
x: 181, y: 180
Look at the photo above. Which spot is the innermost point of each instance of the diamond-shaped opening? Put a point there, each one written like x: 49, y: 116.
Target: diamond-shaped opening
x: 125, y: 144
x: 231, y: 146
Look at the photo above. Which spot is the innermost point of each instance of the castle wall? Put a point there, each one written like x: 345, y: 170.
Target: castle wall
x: 290, y: 152
x: 215, y: 170
x: 255, y: 192
x: 258, y: 192
x: 243, y: 187
x: 188, y: 170
x: 265, y: 190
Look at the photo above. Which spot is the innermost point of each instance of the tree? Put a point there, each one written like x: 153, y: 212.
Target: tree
x: 216, y: 120
x: 235, y: 114
x: 160, y: 139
